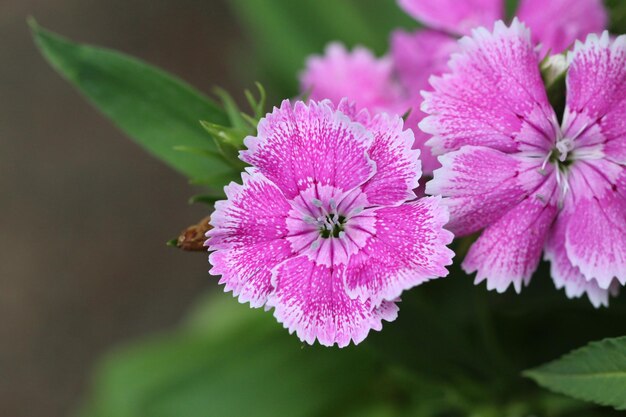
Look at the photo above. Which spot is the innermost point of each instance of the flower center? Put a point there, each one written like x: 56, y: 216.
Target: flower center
x: 329, y: 223
x: 561, y: 154
x: 332, y: 225
x: 563, y: 148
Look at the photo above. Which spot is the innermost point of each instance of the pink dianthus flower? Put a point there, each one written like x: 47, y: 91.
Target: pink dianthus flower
x: 325, y: 228
x: 530, y: 183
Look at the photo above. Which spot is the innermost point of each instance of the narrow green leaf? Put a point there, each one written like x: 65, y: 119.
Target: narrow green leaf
x: 231, y: 108
x: 253, y: 122
x: 262, y: 102
x: 232, y: 160
x: 208, y: 153
x: 156, y: 110
x: 229, y: 136
x: 595, y: 373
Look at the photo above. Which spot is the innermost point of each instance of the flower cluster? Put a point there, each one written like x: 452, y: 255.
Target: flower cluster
x: 393, y: 83
x: 326, y: 229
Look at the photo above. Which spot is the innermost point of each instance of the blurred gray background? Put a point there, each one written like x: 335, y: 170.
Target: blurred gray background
x: 85, y: 213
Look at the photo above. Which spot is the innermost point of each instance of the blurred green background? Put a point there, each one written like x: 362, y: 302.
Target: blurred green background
x: 84, y: 211
x: 83, y: 265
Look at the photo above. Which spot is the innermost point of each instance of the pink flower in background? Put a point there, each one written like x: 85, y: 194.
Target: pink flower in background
x: 555, y: 24
x: 325, y: 228
x: 416, y: 57
x: 530, y: 184
x: 359, y: 75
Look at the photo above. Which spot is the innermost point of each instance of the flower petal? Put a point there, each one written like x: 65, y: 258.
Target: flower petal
x: 566, y: 275
x: 310, y: 300
x: 408, y: 248
x: 481, y: 184
x: 556, y: 24
x: 454, y: 16
x: 398, y: 168
x: 493, y: 93
x: 509, y: 250
x: 300, y: 145
x: 596, y: 93
x: 357, y: 75
x: 595, y: 238
x: 248, y: 237
x: 417, y: 56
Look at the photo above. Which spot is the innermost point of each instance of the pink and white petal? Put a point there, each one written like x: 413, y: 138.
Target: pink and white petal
x: 593, y: 178
x: 310, y: 300
x: 597, y: 69
x: 408, y: 248
x: 494, y: 91
x: 480, y: 185
x: 615, y: 150
x: 429, y: 161
x: 586, y: 134
x: 508, y: 251
x: 304, y: 144
x: 596, y: 92
x: 564, y: 274
x: 419, y: 55
x: 398, y: 168
x: 357, y: 75
x: 620, y: 184
x: 595, y: 238
x: 557, y: 24
x: 454, y: 16
x: 248, y: 237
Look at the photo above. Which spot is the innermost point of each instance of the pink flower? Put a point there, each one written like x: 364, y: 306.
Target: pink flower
x: 359, y: 75
x: 416, y: 57
x: 529, y: 183
x: 325, y: 228
x: 555, y: 24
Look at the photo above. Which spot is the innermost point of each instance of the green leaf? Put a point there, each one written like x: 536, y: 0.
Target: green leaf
x: 231, y: 108
x: 595, y: 373
x: 155, y: 109
x: 231, y: 361
x: 230, y: 136
x: 257, y: 105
